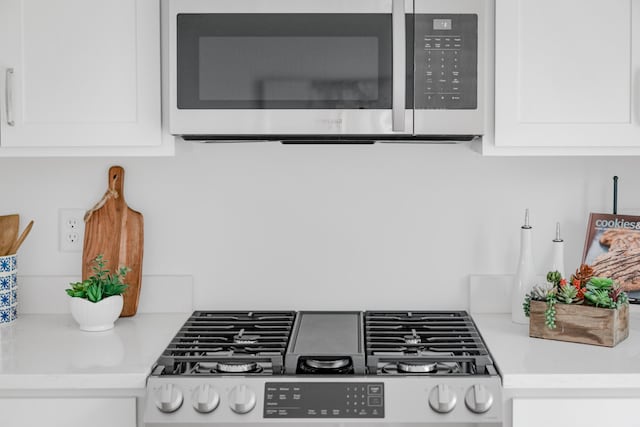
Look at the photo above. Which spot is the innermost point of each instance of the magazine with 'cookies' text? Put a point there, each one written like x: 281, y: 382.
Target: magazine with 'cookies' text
x: 612, y: 249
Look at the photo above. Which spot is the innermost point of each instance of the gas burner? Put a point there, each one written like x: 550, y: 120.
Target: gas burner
x: 227, y: 368
x: 240, y: 338
x: 237, y: 367
x: 341, y: 365
x: 327, y: 364
x: 417, y: 367
x: 425, y: 368
x: 206, y: 367
x: 414, y: 338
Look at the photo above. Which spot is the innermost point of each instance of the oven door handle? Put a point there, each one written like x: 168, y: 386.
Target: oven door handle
x: 399, y: 34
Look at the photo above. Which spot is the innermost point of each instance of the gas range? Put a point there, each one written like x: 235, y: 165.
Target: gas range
x: 325, y: 368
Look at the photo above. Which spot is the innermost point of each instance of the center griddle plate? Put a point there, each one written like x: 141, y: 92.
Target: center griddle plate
x: 326, y: 334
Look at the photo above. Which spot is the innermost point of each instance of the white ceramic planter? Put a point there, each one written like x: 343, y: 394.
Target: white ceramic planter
x: 96, y: 316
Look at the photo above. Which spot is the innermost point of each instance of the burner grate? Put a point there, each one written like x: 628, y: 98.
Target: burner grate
x: 210, y: 342
x: 443, y: 337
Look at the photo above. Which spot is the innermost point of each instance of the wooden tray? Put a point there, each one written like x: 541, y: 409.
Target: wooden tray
x: 581, y: 323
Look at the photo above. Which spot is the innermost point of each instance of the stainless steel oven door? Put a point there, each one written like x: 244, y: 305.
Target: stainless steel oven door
x: 273, y: 67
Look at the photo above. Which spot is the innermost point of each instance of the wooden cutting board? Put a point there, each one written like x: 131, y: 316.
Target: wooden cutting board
x: 116, y: 231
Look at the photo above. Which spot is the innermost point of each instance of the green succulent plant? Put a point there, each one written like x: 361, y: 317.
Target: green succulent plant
x: 526, y: 305
x: 568, y: 294
x: 599, y: 298
x: 541, y: 292
x: 600, y: 283
x: 583, y: 288
x: 550, y: 313
x: 554, y: 277
x: 604, y: 292
x: 102, y: 284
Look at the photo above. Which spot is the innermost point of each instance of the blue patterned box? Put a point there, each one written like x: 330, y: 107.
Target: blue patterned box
x: 5, y: 299
x: 5, y: 316
x: 8, y: 264
x: 8, y: 289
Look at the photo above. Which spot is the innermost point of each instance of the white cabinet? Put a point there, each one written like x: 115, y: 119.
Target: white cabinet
x: 561, y: 412
x: 81, y: 74
x: 567, y: 76
x: 68, y: 412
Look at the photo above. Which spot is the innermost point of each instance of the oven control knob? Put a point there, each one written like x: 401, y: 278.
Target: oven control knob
x: 205, y: 399
x: 442, y: 399
x: 478, y: 399
x: 242, y: 399
x: 168, y: 398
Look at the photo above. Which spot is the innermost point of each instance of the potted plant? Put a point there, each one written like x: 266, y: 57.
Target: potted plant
x: 97, y: 301
x: 584, y: 309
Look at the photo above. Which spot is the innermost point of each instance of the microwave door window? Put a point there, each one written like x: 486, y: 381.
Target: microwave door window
x: 287, y: 69
x: 284, y: 61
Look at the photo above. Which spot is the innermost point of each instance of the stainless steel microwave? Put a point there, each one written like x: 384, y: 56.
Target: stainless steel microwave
x: 313, y: 70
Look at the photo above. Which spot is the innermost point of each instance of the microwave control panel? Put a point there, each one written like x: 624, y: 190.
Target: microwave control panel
x: 446, y: 61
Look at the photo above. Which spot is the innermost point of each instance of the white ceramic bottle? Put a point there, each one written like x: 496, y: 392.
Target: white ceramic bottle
x: 525, y: 277
x: 558, y: 253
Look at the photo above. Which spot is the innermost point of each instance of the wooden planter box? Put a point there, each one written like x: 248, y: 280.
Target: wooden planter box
x: 581, y: 323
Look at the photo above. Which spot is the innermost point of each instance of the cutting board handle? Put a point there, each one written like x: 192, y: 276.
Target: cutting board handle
x: 116, y: 181
x: 115, y: 190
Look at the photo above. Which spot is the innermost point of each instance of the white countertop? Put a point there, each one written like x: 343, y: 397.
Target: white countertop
x: 48, y: 351
x: 530, y: 363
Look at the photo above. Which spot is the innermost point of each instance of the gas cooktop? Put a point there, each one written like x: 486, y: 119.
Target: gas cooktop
x: 382, y: 367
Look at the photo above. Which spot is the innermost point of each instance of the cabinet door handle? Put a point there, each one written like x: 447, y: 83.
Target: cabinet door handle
x: 8, y: 96
x: 399, y: 35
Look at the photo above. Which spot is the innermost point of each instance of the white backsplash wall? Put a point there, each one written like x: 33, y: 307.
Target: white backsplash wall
x: 266, y: 225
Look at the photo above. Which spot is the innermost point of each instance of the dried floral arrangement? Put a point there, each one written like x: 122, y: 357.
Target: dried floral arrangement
x: 582, y: 288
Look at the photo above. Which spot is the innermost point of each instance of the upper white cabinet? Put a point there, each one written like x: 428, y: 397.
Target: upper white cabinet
x: 80, y: 75
x: 567, y: 76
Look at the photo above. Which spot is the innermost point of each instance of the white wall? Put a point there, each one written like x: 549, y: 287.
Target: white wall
x: 263, y: 226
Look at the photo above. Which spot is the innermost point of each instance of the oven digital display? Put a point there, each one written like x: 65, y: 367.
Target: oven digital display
x: 323, y: 400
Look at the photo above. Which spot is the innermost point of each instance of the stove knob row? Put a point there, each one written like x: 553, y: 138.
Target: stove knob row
x: 242, y: 399
x: 205, y: 399
x: 478, y: 399
x: 168, y: 398
x: 442, y: 399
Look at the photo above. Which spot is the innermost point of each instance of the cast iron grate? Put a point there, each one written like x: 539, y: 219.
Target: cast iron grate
x: 449, y: 338
x: 212, y: 342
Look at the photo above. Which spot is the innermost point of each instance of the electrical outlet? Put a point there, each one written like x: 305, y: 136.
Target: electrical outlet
x: 70, y: 230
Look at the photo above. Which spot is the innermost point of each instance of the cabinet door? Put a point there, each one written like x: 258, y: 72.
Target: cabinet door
x: 559, y: 412
x: 79, y: 73
x: 567, y: 73
x: 68, y: 412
